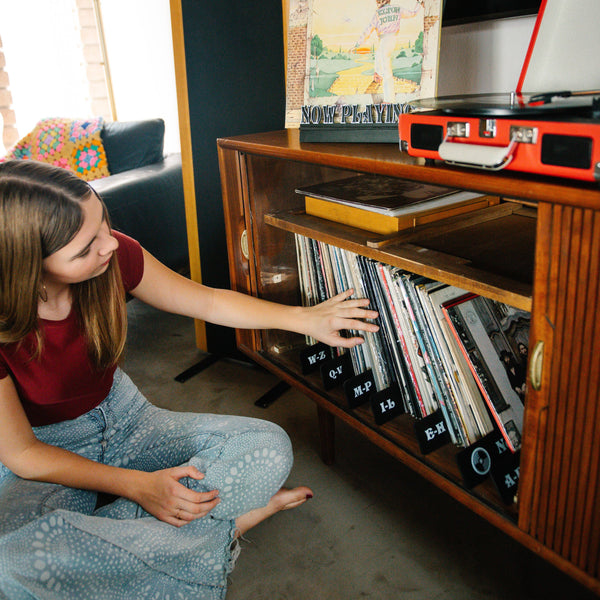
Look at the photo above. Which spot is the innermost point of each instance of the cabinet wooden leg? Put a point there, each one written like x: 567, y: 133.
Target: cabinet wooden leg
x: 326, y: 435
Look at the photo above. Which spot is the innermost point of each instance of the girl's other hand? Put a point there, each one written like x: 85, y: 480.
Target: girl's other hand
x: 162, y: 495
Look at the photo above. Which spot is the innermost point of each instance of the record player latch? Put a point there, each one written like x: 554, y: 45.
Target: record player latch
x: 459, y: 129
x: 524, y: 135
x: 487, y: 128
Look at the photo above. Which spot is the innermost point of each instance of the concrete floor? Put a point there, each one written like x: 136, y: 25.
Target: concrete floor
x: 374, y: 529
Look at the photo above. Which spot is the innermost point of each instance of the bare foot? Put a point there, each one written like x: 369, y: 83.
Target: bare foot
x: 284, y: 499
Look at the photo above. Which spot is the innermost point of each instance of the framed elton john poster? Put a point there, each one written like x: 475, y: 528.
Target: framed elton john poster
x: 359, y: 62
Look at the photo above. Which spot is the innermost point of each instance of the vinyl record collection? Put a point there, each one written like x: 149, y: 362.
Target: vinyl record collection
x: 444, y: 349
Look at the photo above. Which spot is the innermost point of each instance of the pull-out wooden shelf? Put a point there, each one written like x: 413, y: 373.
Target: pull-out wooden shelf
x: 490, y: 253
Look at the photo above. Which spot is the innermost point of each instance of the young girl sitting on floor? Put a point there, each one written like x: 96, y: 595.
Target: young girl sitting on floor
x: 72, y: 424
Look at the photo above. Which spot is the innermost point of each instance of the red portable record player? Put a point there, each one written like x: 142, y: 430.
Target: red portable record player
x: 552, y: 129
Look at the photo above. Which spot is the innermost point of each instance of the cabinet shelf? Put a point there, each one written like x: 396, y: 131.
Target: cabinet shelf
x: 398, y: 434
x: 431, y: 251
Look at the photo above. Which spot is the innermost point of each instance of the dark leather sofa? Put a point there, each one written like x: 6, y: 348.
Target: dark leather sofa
x: 144, y: 193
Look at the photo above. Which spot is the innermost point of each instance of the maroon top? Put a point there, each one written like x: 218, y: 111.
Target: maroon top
x: 63, y: 384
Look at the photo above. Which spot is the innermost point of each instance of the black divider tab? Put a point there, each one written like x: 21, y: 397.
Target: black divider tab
x: 505, y: 473
x: 432, y: 432
x: 313, y: 357
x: 489, y: 456
x: 335, y: 372
x: 475, y: 462
x: 358, y: 389
x: 387, y: 404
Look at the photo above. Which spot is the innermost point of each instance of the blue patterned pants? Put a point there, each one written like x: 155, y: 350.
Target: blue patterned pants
x: 54, y: 544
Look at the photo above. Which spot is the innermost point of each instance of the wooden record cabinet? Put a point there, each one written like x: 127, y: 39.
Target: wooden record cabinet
x: 538, y: 250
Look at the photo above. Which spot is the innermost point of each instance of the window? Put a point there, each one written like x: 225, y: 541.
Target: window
x: 55, y: 65
x: 44, y: 60
x: 140, y: 55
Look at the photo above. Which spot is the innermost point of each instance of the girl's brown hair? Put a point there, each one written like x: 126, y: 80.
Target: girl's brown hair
x: 40, y: 213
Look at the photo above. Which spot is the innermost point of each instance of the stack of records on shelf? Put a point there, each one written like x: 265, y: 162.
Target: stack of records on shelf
x: 445, y: 351
x: 386, y: 205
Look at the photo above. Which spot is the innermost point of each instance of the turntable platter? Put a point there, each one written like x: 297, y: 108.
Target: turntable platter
x: 501, y: 105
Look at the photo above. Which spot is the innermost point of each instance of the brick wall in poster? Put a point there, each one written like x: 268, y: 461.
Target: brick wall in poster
x: 297, y: 48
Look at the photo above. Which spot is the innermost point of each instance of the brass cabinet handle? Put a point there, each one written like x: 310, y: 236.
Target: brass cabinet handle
x: 536, y: 365
x: 244, y: 244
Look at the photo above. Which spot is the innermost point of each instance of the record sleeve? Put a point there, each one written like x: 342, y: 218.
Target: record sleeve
x: 388, y: 196
x: 467, y: 317
x: 426, y: 349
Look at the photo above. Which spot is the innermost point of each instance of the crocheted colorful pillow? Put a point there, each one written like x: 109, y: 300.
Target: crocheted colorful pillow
x: 73, y: 144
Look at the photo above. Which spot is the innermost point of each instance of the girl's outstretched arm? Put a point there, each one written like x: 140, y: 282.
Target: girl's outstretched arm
x: 169, y: 291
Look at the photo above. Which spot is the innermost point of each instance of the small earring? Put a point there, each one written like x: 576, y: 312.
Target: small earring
x: 43, y: 293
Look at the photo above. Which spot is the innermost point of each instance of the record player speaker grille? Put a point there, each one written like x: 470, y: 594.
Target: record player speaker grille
x: 426, y: 137
x: 567, y: 151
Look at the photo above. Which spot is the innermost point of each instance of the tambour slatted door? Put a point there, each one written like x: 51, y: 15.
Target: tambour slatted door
x: 560, y: 469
